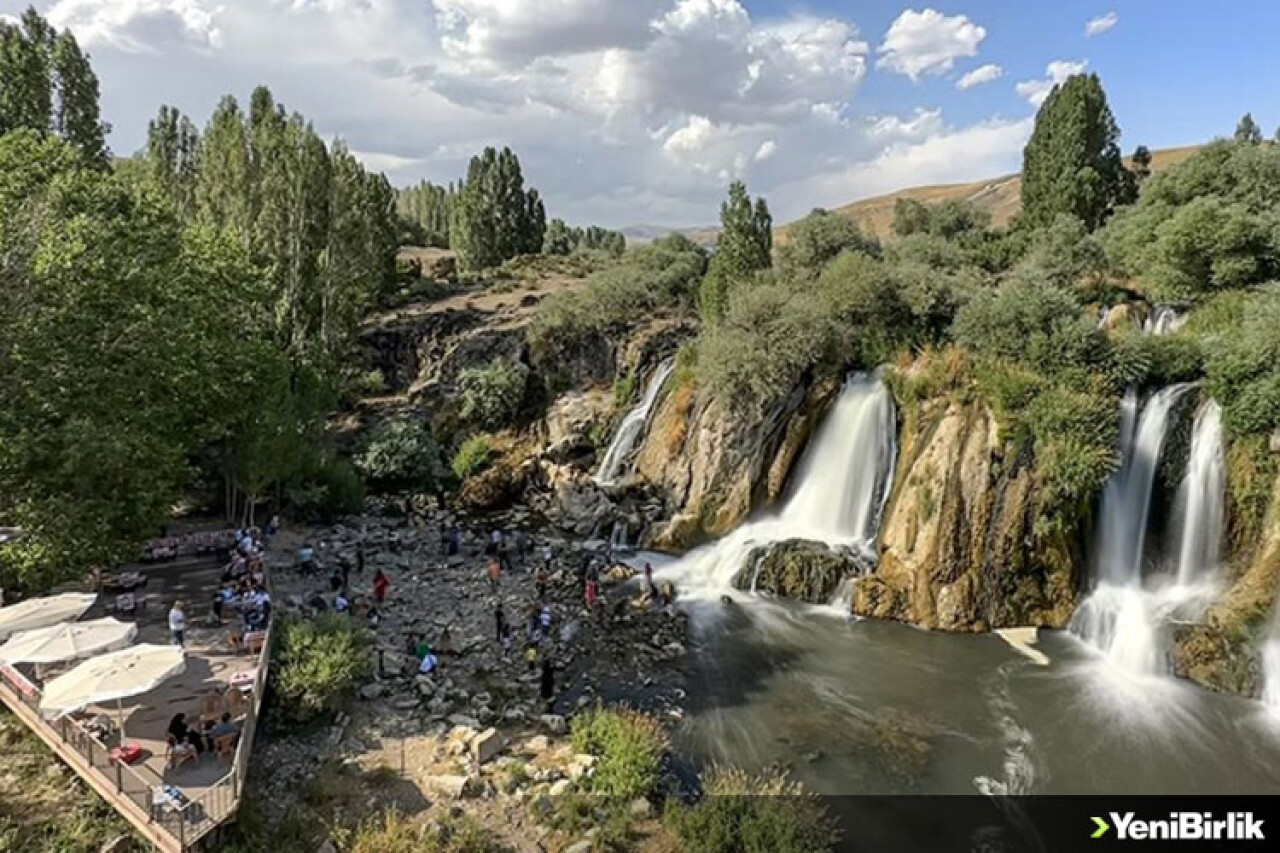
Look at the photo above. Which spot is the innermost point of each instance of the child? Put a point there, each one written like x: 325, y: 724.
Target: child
x: 531, y: 656
x: 495, y: 571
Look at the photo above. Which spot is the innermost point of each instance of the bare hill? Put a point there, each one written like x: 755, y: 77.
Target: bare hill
x: 1000, y: 196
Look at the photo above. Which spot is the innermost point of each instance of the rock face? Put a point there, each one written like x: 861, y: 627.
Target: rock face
x: 958, y: 550
x: 1222, y: 652
x: 713, y: 466
x: 800, y: 569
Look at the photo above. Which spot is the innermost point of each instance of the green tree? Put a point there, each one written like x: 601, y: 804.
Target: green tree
x: 172, y: 149
x: 744, y: 247
x: 493, y: 218
x: 26, y: 74
x: 222, y: 186
x: 77, y: 118
x: 1072, y: 163
x: 1141, y: 163
x: 1247, y: 130
x: 815, y: 241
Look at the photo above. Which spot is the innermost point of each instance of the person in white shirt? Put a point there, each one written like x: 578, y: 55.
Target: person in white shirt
x: 429, y: 663
x: 178, y: 623
x: 340, y: 603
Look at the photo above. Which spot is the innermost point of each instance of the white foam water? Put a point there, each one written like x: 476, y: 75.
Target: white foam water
x: 632, y: 428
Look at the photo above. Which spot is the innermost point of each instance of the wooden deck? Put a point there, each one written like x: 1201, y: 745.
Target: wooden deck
x: 211, y: 787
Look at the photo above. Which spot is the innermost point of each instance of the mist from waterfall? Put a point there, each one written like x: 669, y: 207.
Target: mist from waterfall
x: 1198, y: 508
x: 840, y: 489
x: 631, y: 430
x: 1119, y: 617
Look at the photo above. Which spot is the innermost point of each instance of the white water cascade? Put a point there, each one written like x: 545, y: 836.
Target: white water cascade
x: 631, y: 430
x: 1271, y: 674
x: 841, y: 487
x: 1199, y: 504
x: 1163, y: 321
x: 1119, y: 618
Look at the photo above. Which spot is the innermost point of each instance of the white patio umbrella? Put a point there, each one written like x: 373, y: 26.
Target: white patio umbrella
x: 42, y: 612
x: 68, y: 641
x: 112, y: 676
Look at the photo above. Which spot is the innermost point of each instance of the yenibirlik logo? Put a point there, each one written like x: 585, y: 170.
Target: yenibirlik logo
x: 1181, y: 826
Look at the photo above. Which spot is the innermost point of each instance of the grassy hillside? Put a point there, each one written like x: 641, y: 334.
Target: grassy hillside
x: 1000, y: 196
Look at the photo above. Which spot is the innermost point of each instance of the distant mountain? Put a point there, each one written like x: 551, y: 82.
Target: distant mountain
x: 638, y: 234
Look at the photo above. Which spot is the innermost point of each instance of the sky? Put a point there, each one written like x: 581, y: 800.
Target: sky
x: 629, y: 112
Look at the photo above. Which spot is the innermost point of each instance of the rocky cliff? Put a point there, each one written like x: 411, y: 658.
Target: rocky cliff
x: 712, y: 466
x: 958, y: 550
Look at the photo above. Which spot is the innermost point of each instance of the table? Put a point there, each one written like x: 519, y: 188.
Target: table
x: 244, y: 681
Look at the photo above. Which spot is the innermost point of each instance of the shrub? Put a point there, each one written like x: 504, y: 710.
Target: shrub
x: 624, y: 388
x: 472, y: 457
x: 815, y: 241
x: 742, y: 813
x: 629, y: 746
x: 391, y: 832
x: 330, y: 489
x: 1243, y: 367
x: 491, y: 395
x: 400, y: 453
x: 320, y: 662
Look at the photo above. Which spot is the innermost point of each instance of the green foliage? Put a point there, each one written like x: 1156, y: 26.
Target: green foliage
x: 1243, y: 367
x: 326, y: 488
x: 660, y: 275
x: 472, y: 457
x: 427, y: 207
x: 1065, y: 253
x: 1209, y: 223
x: 947, y: 220
x: 1072, y: 164
x: 624, y: 388
x: 492, y: 218
x: 629, y: 746
x: 400, y: 453
x: 320, y: 663
x: 562, y: 239
x: 1247, y: 130
x: 744, y: 247
x: 815, y: 241
x: 492, y: 394
x: 1251, y: 478
x: 742, y: 813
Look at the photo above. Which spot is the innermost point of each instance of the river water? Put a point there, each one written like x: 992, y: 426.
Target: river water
x: 867, y: 707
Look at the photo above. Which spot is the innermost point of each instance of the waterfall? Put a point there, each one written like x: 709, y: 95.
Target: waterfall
x: 1163, y: 321
x: 840, y: 490
x: 1271, y: 674
x: 631, y: 430
x: 1199, y: 504
x: 1118, y: 617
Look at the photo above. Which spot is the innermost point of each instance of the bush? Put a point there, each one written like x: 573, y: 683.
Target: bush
x: 1243, y: 367
x: 629, y: 746
x: 815, y: 241
x: 320, y: 662
x: 330, y: 489
x: 491, y: 395
x: 393, y: 833
x: 752, y: 814
x: 472, y: 457
x: 400, y: 453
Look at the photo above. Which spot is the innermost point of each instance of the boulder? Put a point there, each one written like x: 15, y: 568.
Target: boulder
x: 560, y: 788
x: 451, y: 786
x: 800, y: 569
x: 554, y: 723
x: 486, y: 745
x: 371, y: 691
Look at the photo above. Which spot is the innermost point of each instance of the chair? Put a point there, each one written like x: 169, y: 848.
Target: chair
x: 177, y: 754
x: 236, y: 705
x: 211, y: 707
x: 254, y: 641
x: 225, y: 746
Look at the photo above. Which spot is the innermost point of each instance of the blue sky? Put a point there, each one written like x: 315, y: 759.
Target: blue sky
x: 640, y: 111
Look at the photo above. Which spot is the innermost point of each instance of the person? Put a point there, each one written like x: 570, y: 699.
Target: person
x: 182, y: 733
x: 548, y: 683
x: 429, y: 663
x: 273, y: 526
x: 522, y: 546
x: 455, y: 540
x: 216, y: 607
x: 495, y: 540
x: 544, y: 619
x: 335, y: 581
x: 500, y: 621
x: 306, y: 558
x: 504, y: 554
x: 495, y: 573
x: 531, y: 655
x: 374, y: 618
x: 360, y: 557
x: 547, y: 555
x: 178, y: 623
x: 592, y: 591
x: 222, y: 728
x: 540, y: 580
x: 340, y: 602
x: 648, y: 582
x: 381, y: 583
x: 420, y: 646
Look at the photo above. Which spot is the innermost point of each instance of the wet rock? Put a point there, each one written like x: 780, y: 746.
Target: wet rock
x: 800, y: 569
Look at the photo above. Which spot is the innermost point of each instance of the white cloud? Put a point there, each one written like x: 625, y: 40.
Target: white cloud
x: 139, y: 26
x: 380, y: 161
x: 983, y: 74
x: 691, y: 138
x: 1035, y: 91
x: 6, y: 18
x: 928, y: 42
x: 1099, y: 25
x: 767, y: 149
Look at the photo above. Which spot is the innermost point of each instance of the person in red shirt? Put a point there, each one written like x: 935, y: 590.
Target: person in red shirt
x: 381, y: 583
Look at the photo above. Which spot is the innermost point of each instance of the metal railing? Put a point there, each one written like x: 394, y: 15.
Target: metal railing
x: 140, y: 792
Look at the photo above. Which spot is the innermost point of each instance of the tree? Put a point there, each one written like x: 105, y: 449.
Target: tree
x: 746, y: 240
x: 222, y: 187
x: 1072, y: 163
x: 1141, y: 163
x: 492, y: 218
x: 1247, y: 130
x: 815, y: 241
x: 428, y: 206
x: 26, y: 78
x: 77, y: 119
x: 172, y: 150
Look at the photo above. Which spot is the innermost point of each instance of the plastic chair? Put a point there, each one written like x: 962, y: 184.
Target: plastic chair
x: 176, y: 754
x: 236, y: 705
x: 211, y: 707
x: 225, y: 746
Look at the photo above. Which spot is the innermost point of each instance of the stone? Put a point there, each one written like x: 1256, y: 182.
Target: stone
x: 406, y: 703
x: 453, y: 786
x: 119, y: 844
x: 486, y: 745
x: 581, y: 765
x: 537, y: 744
x: 640, y: 808
x: 559, y: 789
x: 583, y: 846
x: 371, y: 691
x: 554, y: 723
x: 327, y: 847
x: 464, y: 721
x: 800, y: 569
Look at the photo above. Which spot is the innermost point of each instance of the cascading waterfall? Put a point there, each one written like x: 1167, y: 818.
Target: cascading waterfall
x: 841, y: 488
x: 1117, y: 617
x: 1163, y: 321
x: 1199, y: 505
x: 631, y: 430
